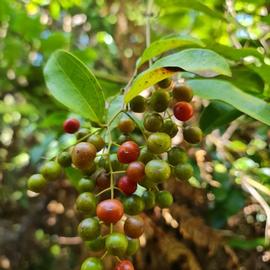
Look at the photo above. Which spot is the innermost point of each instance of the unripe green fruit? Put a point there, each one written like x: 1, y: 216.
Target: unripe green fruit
x: 116, y: 244
x: 158, y: 142
x: 133, y: 205
x: 82, y: 133
x: 182, y: 93
x: 97, y: 244
x: 86, y: 203
x: 123, y: 138
x: 170, y: 128
x: 147, y: 183
x: 153, y: 122
x: 126, y: 125
x: 133, y: 246
x: 149, y: 199
x: 36, y: 183
x: 64, y: 159
x: 86, y: 185
x: 89, y: 229
x: 92, y: 263
x: 183, y: 171
x: 51, y: 170
x: 138, y: 104
x: 177, y: 155
x: 164, y: 199
x: 166, y: 83
x: 97, y: 141
x: 158, y: 170
x: 192, y: 135
x: 159, y: 100
x: 146, y: 156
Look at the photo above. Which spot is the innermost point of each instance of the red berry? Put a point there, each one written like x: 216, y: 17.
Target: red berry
x: 135, y: 171
x: 110, y: 211
x: 183, y: 111
x: 126, y: 185
x: 128, y: 151
x: 71, y: 125
x: 124, y: 265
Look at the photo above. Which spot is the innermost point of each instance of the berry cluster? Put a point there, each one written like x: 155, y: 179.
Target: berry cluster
x: 121, y: 167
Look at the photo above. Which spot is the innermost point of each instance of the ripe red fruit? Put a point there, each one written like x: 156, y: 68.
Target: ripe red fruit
x: 128, y: 151
x: 135, y: 171
x: 124, y: 265
x: 110, y: 211
x: 126, y: 185
x: 183, y: 111
x: 71, y: 125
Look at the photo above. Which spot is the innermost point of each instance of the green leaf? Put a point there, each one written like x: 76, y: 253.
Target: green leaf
x: 233, y: 53
x: 216, y: 115
x: 246, y: 79
x: 190, y: 4
x: 73, y: 85
x: 213, y: 89
x: 199, y: 61
x: 167, y: 43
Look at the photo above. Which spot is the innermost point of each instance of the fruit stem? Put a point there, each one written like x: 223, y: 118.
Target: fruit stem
x: 105, y: 190
x: 117, y: 172
x: 104, y: 255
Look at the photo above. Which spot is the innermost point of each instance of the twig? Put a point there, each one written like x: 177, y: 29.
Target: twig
x: 257, y: 196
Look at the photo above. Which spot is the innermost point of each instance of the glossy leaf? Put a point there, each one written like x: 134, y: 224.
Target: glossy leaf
x: 165, y: 44
x: 216, y: 115
x: 191, y: 4
x: 234, y: 53
x: 203, y: 62
x: 213, y: 89
x: 72, y: 84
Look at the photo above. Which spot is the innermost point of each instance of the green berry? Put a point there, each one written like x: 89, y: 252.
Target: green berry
x: 86, y: 203
x: 146, y: 156
x: 138, y: 104
x: 51, y: 170
x: 133, y: 205
x: 159, y: 100
x: 164, y: 199
x: 182, y: 93
x: 183, y: 171
x: 133, y: 246
x: 149, y: 199
x: 177, y: 155
x: 170, y: 128
x: 92, y: 263
x: 158, y: 142
x: 36, y: 183
x: 158, y: 170
x: 86, y: 185
x: 116, y: 244
x: 192, y: 135
x: 97, y: 141
x: 64, y: 159
x: 82, y: 133
x: 97, y: 244
x: 166, y: 83
x: 89, y: 229
x: 153, y: 122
